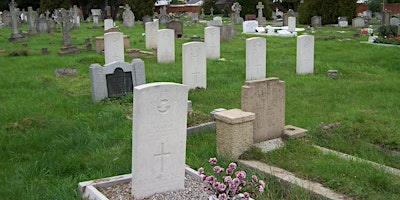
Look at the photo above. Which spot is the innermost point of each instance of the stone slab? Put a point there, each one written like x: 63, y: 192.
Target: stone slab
x: 234, y: 116
x: 270, y: 145
x: 294, y: 132
x: 290, y: 178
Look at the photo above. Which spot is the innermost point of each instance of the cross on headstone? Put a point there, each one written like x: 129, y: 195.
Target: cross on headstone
x: 195, y: 75
x: 260, y: 7
x: 47, y: 14
x: 162, y: 155
x: 212, y: 11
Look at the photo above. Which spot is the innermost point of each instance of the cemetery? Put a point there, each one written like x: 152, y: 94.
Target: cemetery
x: 200, y: 104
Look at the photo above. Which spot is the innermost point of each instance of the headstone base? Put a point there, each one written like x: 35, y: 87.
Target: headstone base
x: 69, y: 50
x: 16, y: 37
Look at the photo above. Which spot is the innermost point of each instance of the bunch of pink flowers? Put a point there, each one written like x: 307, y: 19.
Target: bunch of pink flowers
x: 228, y: 183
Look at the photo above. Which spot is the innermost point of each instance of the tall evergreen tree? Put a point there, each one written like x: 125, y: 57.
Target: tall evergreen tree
x: 329, y: 10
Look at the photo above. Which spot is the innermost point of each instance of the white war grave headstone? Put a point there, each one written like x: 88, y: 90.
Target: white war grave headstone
x: 151, y: 29
x: 212, y: 40
x: 256, y: 61
x: 159, y: 138
x: 194, y: 67
x: 305, y: 54
x: 114, y: 47
x: 165, y: 46
x: 108, y: 23
x: 292, y: 24
x: 250, y: 26
x: 266, y: 99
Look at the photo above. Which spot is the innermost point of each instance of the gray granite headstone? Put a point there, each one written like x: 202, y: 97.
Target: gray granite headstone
x: 6, y: 18
x: 386, y: 17
x: 177, y: 26
x: 43, y: 26
x: 316, y: 21
x: 290, y: 13
x: 14, y: 11
x: 358, y: 22
x: 163, y: 19
x: 227, y: 33
x: 146, y: 18
x: 235, y: 18
x: 65, y: 20
x: 128, y: 17
x: 394, y: 21
x: 116, y: 78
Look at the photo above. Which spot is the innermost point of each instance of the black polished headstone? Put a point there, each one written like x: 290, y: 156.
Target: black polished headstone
x: 120, y: 83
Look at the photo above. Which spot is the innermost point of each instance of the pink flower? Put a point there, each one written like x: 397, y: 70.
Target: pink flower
x: 218, y: 169
x: 223, y: 197
x: 232, y: 166
x: 243, y: 183
x: 213, y: 161
x: 221, y: 187
x: 254, y: 178
x: 201, y: 171
x: 241, y: 175
x: 262, y: 183
x: 227, y: 179
x: 236, y: 181
x: 246, y: 196
x: 204, y: 177
x: 229, y: 171
x: 211, y: 179
x: 261, y: 190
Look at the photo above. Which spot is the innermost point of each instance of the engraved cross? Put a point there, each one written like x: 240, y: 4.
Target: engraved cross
x: 162, y: 155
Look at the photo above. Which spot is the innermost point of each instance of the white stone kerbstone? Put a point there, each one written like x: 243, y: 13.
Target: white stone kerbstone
x: 256, y: 58
x: 305, y: 54
x: 114, y: 47
x: 250, y: 26
x: 194, y: 68
x: 159, y: 138
x: 212, y: 40
x: 165, y: 46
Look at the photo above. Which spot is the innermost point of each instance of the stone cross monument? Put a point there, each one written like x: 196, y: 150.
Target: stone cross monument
x: 65, y: 20
x: 260, y: 18
x: 14, y: 11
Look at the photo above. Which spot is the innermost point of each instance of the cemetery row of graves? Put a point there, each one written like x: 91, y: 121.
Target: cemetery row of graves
x: 65, y: 122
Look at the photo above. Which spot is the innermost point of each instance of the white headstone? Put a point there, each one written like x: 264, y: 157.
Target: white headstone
x: 358, y: 22
x: 305, y: 54
x: 159, y: 138
x: 250, y: 26
x: 256, y: 61
x: 194, y: 68
x: 165, y: 46
x: 108, y: 23
x: 151, y: 29
x: 291, y: 24
x: 217, y: 19
x: 114, y: 47
x: 212, y: 40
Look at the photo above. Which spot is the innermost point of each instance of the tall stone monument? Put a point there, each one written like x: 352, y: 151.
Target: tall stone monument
x: 14, y: 11
x: 128, y: 17
x: 65, y: 20
x: 76, y: 18
x: 260, y: 18
x: 236, y: 8
x: 32, y: 20
x: 96, y: 13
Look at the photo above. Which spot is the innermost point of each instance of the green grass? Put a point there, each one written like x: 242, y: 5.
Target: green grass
x: 52, y: 136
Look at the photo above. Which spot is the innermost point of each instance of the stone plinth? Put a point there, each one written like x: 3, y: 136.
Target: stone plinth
x: 100, y: 43
x: 234, y: 132
x: 69, y: 50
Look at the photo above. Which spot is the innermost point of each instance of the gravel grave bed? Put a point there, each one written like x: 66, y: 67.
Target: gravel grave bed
x: 194, y: 190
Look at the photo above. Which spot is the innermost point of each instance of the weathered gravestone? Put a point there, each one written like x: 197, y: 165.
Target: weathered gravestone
x: 305, y: 54
x: 159, y: 138
x: 235, y: 18
x: 214, y: 23
x: 394, y: 21
x: 250, y: 26
x: 65, y: 20
x: 7, y: 18
x: 342, y: 21
x: 128, y: 17
x: 96, y: 13
x: 228, y: 33
x: 260, y: 18
x: 212, y: 41
x: 290, y: 13
x: 1, y: 19
x: 116, y: 78
x: 194, y: 68
x: 114, y: 47
x: 76, y: 19
x: 43, y: 26
x: 249, y: 17
x: 151, y: 29
x: 146, y: 19
x: 316, y: 21
x: 386, y: 17
x: 165, y: 46
x: 177, y: 26
x: 108, y: 23
x: 358, y: 22
x: 255, y: 58
x: 14, y: 12
x: 266, y: 99
x: 32, y: 20
x: 292, y: 24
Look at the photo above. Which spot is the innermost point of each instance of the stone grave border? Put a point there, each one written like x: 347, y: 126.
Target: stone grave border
x: 88, y: 188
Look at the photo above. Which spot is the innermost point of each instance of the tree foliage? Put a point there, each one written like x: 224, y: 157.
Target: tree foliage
x: 208, y: 4
x: 374, y: 5
x: 329, y: 10
x: 141, y: 8
x: 249, y: 7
